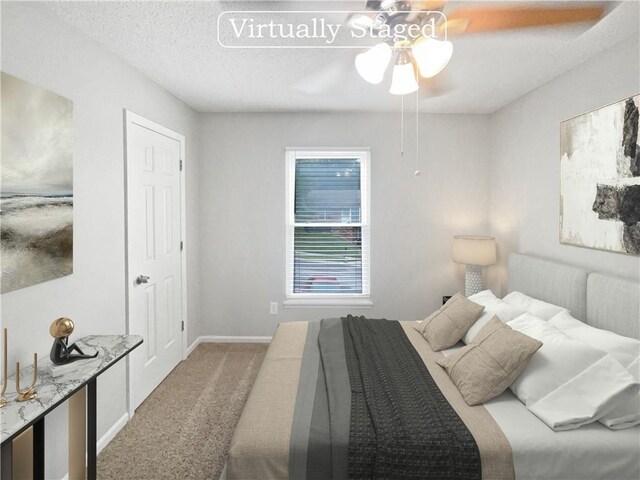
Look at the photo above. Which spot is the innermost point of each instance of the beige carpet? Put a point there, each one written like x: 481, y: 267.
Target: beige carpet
x: 183, y: 429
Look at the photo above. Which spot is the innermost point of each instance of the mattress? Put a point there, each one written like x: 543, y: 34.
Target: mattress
x: 270, y: 431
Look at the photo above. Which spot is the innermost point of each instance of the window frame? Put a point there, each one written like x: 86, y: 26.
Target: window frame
x: 361, y: 300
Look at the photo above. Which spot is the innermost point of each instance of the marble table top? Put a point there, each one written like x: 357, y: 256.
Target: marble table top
x: 56, y: 384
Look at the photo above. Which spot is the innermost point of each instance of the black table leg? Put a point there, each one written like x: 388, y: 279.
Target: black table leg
x: 92, y: 411
x: 7, y: 460
x: 38, y: 450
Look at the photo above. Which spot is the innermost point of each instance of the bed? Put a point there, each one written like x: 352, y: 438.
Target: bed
x: 283, y: 431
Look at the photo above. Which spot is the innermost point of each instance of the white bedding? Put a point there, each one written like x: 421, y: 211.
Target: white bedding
x: 541, y: 453
x: 568, y: 384
x: 625, y: 350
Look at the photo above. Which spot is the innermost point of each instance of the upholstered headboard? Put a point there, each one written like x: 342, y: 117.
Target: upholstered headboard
x: 552, y: 282
x: 603, y: 301
x: 614, y: 304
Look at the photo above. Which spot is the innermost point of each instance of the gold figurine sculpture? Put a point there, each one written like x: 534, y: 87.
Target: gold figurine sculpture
x: 29, y: 393
x: 61, y: 351
x: 5, y: 377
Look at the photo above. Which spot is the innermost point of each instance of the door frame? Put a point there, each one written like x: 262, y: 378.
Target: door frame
x: 131, y: 119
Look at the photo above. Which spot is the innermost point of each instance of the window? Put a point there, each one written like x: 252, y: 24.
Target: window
x: 327, y: 228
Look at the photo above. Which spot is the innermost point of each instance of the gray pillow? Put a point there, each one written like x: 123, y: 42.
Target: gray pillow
x: 447, y: 325
x: 491, y: 363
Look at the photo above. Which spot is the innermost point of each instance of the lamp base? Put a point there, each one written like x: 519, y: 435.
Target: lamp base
x: 473, y: 281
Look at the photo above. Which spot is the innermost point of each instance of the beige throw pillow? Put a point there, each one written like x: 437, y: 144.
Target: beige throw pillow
x: 447, y: 325
x: 490, y: 364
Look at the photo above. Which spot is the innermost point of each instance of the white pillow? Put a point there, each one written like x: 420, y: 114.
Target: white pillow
x: 532, y: 305
x: 493, y: 306
x: 567, y: 384
x: 624, y: 349
x: 483, y: 296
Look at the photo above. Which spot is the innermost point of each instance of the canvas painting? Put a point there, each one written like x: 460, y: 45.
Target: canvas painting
x: 36, y: 188
x: 600, y: 178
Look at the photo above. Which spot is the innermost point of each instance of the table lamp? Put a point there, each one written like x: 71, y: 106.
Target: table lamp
x: 474, y: 251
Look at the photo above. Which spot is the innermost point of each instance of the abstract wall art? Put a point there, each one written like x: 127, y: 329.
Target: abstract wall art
x: 600, y: 178
x: 36, y: 187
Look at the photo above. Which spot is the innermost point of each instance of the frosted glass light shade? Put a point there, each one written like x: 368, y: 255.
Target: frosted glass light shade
x: 372, y: 63
x: 431, y: 55
x: 474, y: 250
x: 404, y: 76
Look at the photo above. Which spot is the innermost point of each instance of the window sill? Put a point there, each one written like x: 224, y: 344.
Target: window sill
x: 360, y: 302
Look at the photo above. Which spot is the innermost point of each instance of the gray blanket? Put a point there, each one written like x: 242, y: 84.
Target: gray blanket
x: 320, y: 429
x: 367, y: 407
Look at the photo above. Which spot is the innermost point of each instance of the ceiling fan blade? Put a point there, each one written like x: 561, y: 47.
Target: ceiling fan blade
x: 456, y: 26
x: 428, y: 5
x: 373, y: 5
x: 363, y: 20
x: 419, y: 7
x: 490, y: 19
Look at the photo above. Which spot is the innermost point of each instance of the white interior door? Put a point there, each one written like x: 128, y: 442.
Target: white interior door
x: 154, y: 276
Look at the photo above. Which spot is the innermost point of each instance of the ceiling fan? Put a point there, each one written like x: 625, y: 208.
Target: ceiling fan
x: 426, y: 53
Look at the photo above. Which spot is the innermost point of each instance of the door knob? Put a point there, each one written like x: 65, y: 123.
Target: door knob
x: 142, y: 279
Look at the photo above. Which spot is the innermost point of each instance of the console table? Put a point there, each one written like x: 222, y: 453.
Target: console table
x: 20, y: 420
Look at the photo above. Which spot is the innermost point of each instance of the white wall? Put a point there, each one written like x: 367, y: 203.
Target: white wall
x: 525, y: 160
x: 242, y: 211
x: 39, y: 48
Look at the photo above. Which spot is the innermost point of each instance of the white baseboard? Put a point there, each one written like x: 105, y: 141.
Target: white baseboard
x: 222, y: 339
x: 109, y: 435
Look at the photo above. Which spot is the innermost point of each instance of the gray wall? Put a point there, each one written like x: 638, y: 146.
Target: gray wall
x: 39, y: 48
x: 525, y: 161
x: 242, y: 211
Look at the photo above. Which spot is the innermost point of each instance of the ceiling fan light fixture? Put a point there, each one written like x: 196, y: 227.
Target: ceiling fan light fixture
x: 372, y: 63
x: 404, y: 76
x: 431, y: 55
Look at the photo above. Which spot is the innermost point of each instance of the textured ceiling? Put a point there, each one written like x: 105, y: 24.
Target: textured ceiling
x: 175, y: 44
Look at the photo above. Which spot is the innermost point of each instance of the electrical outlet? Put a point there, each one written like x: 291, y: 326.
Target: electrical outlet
x: 273, y: 308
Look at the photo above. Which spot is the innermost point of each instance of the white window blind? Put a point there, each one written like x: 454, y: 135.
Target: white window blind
x: 327, y: 224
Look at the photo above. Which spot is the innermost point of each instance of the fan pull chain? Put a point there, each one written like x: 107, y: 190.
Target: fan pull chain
x: 417, y: 172
x: 401, y: 125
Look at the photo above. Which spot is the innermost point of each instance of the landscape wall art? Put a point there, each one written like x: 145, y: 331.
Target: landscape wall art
x: 600, y: 178
x: 36, y: 188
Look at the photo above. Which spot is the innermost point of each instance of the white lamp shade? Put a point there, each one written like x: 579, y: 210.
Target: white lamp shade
x: 431, y: 55
x: 372, y: 63
x: 404, y: 79
x: 474, y: 250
